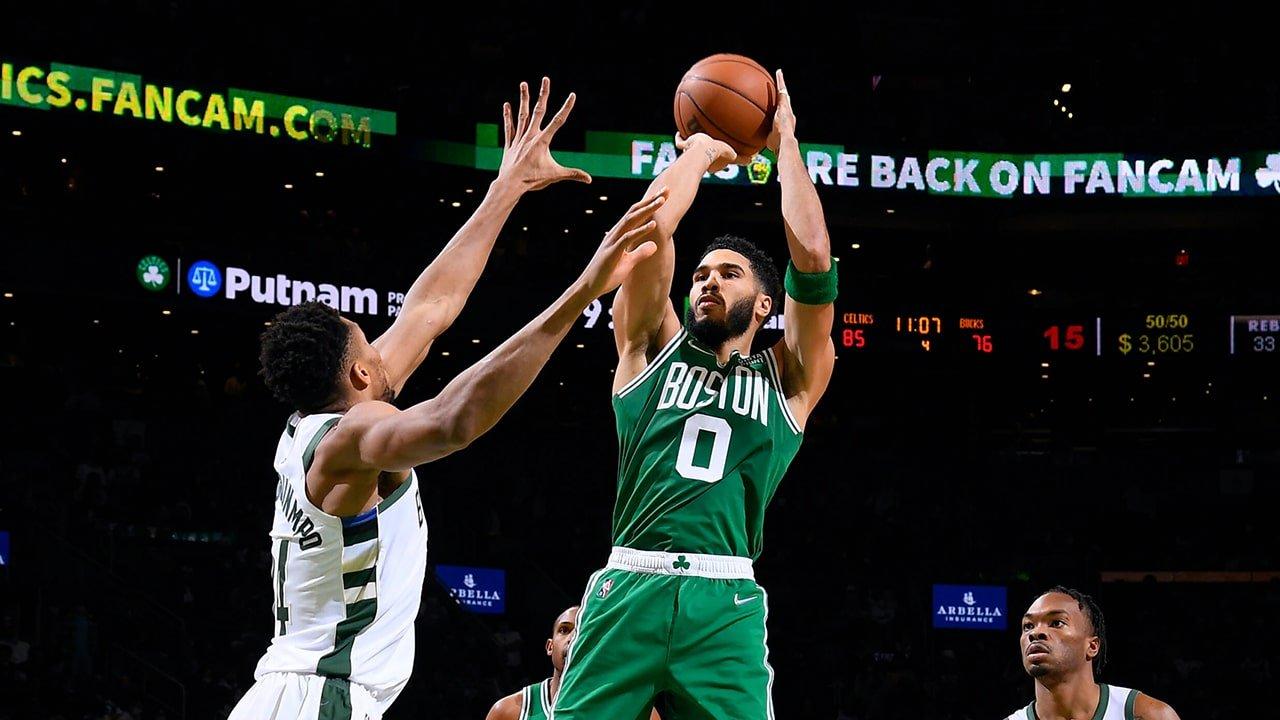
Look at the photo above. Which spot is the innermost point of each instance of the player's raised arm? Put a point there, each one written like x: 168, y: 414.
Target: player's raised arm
x: 437, y: 296
x: 377, y: 436
x: 643, y: 317
x: 811, y: 275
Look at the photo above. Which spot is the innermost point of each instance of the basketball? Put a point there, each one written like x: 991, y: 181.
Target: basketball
x: 730, y: 98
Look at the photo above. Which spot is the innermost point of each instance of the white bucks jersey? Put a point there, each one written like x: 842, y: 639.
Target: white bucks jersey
x: 1114, y: 703
x: 346, y: 590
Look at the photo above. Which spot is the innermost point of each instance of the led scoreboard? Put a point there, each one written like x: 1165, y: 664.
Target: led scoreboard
x: 1158, y: 334
x: 1071, y: 336
x: 1138, y: 336
x: 917, y: 332
x: 1255, y: 334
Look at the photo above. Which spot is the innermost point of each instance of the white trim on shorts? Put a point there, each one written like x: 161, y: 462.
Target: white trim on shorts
x: 767, y: 666
x: 716, y: 567
x: 582, y: 617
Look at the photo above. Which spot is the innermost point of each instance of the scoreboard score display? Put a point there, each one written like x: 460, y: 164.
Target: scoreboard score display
x: 922, y: 332
x: 1127, y: 335
x: 1139, y: 336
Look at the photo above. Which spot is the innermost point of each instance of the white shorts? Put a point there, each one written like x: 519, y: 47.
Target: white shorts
x: 292, y: 696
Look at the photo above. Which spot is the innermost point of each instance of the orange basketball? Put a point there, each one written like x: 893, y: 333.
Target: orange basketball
x: 730, y: 98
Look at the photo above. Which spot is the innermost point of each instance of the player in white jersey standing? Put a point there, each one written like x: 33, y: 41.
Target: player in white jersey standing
x: 349, y: 537
x: 1064, y: 647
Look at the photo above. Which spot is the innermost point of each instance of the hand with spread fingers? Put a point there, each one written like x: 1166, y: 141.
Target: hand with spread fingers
x: 526, y: 147
x: 624, y: 246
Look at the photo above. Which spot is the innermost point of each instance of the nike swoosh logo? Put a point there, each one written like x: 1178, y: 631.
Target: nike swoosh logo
x: 743, y: 601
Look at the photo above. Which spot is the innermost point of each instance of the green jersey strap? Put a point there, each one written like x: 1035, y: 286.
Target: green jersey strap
x: 535, y: 701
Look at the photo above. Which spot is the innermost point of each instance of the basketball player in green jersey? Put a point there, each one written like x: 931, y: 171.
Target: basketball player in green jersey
x: 1064, y: 647
x: 706, y: 429
x: 349, y: 536
x: 535, y: 702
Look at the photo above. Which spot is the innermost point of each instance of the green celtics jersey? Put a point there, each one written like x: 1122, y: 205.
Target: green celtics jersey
x: 536, y: 701
x: 702, y: 448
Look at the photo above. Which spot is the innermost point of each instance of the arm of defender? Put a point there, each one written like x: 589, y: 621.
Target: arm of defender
x: 643, y: 317
x: 473, y: 402
x: 438, y: 295
x: 809, y: 354
x: 377, y: 436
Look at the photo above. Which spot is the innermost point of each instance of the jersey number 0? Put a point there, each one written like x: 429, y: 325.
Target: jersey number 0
x: 694, y: 428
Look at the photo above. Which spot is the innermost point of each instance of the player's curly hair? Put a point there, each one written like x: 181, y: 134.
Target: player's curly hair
x: 761, y: 264
x: 304, y: 353
x: 1091, y: 610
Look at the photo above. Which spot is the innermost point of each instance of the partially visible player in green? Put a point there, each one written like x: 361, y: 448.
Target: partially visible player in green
x: 535, y: 702
x: 706, y: 430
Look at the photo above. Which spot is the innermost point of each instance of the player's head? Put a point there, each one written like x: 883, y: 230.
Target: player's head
x: 314, y: 359
x: 562, y: 633
x: 735, y: 286
x: 1063, y: 633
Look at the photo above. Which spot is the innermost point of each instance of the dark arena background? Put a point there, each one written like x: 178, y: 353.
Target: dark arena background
x: 1060, y: 377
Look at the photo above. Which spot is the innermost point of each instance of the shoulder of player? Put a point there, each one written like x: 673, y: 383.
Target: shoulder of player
x: 339, y: 449
x: 508, y: 708
x: 365, y: 413
x: 668, y: 328
x: 359, y: 419
x: 789, y: 364
x: 783, y: 355
x: 635, y: 356
x: 1146, y: 707
x: 791, y: 372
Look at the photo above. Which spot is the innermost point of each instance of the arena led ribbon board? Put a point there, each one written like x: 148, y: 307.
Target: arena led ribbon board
x: 946, y: 173
x: 61, y: 87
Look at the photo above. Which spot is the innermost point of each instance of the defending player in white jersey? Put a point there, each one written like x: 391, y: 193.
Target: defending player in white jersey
x: 349, y: 536
x: 1064, y: 647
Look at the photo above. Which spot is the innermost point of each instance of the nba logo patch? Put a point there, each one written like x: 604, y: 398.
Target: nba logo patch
x: 605, y: 588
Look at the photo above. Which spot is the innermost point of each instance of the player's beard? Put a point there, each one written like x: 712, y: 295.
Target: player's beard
x: 715, y: 333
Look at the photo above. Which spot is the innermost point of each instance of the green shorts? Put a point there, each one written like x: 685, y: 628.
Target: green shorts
x: 690, y: 626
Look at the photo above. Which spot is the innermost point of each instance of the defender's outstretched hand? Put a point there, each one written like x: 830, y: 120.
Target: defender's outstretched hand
x: 526, y: 147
